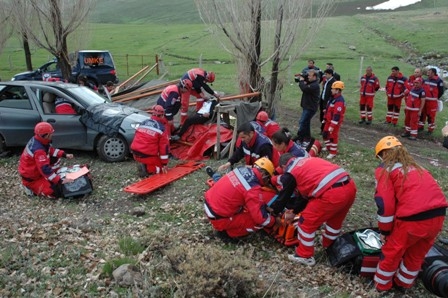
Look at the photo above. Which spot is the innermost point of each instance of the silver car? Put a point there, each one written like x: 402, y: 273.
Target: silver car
x: 101, y: 126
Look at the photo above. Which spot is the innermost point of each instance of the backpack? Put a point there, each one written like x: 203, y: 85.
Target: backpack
x: 356, y: 252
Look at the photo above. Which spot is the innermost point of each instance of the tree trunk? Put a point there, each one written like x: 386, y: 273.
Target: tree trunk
x: 26, y: 49
x: 255, y: 67
x: 64, y: 61
x: 272, y: 96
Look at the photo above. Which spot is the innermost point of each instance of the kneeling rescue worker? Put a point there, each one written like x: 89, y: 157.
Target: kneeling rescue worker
x: 39, y: 162
x: 235, y: 205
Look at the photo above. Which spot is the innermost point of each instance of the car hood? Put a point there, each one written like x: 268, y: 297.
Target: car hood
x: 24, y: 74
x: 107, y: 118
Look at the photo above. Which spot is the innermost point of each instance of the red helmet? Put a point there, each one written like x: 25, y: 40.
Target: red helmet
x: 186, y: 83
x: 262, y: 116
x: 210, y: 77
x: 158, y: 110
x: 418, y: 80
x: 43, y: 128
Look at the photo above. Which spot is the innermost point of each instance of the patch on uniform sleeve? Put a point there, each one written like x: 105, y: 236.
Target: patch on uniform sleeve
x: 42, y: 158
x: 339, y: 109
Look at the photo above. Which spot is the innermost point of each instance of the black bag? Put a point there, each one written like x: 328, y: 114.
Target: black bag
x: 346, y: 254
x: 445, y: 142
x: 80, y: 187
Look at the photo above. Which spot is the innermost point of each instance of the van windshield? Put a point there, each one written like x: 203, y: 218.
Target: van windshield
x: 95, y: 59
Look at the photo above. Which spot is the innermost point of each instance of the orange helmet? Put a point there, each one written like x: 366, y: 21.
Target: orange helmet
x: 210, y: 77
x: 43, y: 128
x: 338, y: 85
x: 266, y: 164
x: 158, y: 110
x: 386, y: 143
x: 262, y: 116
x: 186, y: 83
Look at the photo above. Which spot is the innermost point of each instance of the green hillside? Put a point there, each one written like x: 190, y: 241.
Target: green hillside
x: 145, y: 11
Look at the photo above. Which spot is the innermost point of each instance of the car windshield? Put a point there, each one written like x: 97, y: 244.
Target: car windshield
x: 95, y: 59
x: 87, y: 95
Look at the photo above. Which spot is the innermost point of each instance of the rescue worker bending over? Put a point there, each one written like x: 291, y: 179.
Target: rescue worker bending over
x: 39, y: 162
x: 170, y: 100
x: 235, y: 204
x: 252, y: 146
x: 151, y: 145
x: 199, y: 77
x: 330, y: 193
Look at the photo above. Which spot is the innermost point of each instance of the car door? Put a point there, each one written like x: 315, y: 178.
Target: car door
x: 18, y: 115
x: 69, y: 131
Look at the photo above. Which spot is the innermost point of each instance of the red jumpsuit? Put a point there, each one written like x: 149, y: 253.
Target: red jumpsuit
x: 395, y: 90
x: 170, y: 100
x: 369, y: 86
x: 236, y: 203
x: 63, y: 106
x: 197, y: 77
x: 330, y: 193
x: 334, y: 116
x: 151, y: 145
x: 38, y: 165
x: 411, y: 210
x: 434, y: 90
x: 413, y: 104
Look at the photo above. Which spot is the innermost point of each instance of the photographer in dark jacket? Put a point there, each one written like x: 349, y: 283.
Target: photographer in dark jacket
x: 325, y: 95
x: 309, y: 103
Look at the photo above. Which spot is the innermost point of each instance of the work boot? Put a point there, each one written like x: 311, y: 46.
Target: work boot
x: 412, y: 138
x: 385, y: 122
x: 406, y: 134
x: 141, y: 169
x: 209, y: 171
x: 174, y: 138
x: 368, y: 122
x: 305, y: 261
x: 331, y: 156
x: 226, y: 238
x: 362, y: 121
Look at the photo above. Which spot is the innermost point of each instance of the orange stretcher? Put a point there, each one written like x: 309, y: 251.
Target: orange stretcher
x: 154, y: 182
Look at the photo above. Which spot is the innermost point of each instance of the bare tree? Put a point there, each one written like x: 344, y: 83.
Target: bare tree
x: 5, y: 24
x: 51, y: 24
x: 260, y: 31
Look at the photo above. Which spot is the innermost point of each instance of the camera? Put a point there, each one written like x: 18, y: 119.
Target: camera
x: 297, y: 77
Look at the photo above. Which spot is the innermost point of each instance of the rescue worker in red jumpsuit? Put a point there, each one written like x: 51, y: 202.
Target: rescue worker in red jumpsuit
x: 395, y: 89
x: 417, y: 74
x: 170, y: 100
x: 282, y: 143
x: 251, y: 147
x: 411, y: 210
x: 334, y: 116
x: 151, y: 145
x: 63, y: 106
x: 235, y: 204
x: 268, y: 126
x: 369, y: 86
x: 39, y: 162
x: 329, y: 192
x: 415, y: 103
x: 199, y: 77
x: 434, y: 89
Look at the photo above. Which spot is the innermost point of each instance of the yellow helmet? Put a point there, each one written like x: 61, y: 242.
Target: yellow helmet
x: 266, y: 164
x: 338, y: 85
x: 386, y: 143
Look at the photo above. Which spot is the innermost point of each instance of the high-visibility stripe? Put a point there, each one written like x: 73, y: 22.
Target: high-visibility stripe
x: 327, y: 180
x: 385, y: 219
x: 241, y: 179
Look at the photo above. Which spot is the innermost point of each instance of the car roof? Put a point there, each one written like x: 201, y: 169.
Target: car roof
x: 39, y: 83
x: 93, y: 51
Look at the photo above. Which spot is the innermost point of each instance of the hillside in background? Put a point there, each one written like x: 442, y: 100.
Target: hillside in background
x: 185, y: 12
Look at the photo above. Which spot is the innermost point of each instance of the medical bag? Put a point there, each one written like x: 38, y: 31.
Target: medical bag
x: 80, y: 187
x: 357, y: 252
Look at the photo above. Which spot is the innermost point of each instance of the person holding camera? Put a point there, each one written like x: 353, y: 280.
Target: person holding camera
x: 309, y: 84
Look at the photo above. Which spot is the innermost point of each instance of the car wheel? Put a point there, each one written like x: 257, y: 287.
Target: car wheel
x: 3, y: 151
x: 112, y: 149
